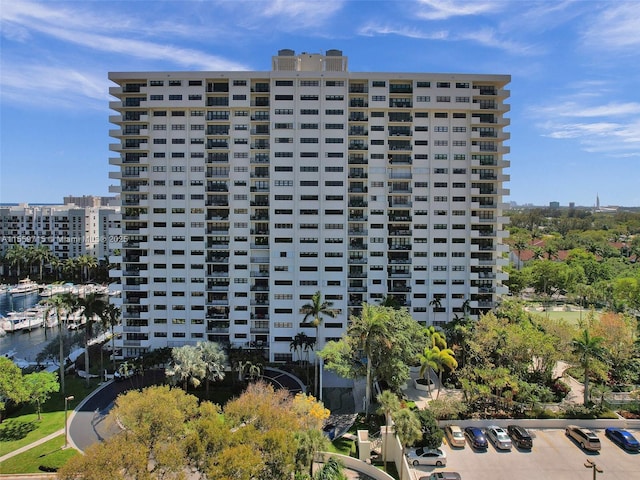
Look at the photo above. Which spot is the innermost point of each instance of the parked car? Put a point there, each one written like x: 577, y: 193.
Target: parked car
x: 499, y: 437
x: 476, y: 438
x: 427, y: 456
x: 443, y: 476
x: 623, y: 439
x: 585, y: 437
x: 520, y: 437
x: 454, y: 435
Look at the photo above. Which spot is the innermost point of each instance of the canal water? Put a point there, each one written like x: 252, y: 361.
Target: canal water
x: 25, y: 345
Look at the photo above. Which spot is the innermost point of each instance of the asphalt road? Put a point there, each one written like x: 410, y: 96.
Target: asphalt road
x: 89, y: 422
x: 554, y: 456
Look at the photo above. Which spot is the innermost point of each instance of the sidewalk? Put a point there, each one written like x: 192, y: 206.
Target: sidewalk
x: 31, y: 445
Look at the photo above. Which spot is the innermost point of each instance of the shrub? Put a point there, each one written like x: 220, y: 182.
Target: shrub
x: 543, y: 413
x: 579, y: 411
x: 560, y: 390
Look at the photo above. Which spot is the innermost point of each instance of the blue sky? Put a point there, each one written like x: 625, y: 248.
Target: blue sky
x: 575, y: 67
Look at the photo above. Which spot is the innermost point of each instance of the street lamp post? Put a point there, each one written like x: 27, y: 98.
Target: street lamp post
x: 596, y: 470
x: 66, y: 428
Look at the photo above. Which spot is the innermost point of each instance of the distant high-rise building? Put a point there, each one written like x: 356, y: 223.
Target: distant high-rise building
x: 67, y: 230
x: 91, y: 201
x: 244, y: 193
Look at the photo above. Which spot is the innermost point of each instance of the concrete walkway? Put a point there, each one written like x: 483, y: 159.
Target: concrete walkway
x: 31, y: 445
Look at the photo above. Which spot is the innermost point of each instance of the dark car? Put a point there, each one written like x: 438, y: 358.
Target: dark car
x: 623, y: 439
x: 476, y: 438
x: 520, y: 437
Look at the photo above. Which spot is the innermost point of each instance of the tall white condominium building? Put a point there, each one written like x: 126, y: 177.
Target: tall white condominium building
x: 67, y: 230
x: 244, y: 193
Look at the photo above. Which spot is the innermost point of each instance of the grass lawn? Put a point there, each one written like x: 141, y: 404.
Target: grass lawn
x: 23, y: 427
x: 49, y: 453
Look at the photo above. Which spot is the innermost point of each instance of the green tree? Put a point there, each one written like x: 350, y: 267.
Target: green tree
x: 588, y: 349
x: 309, y: 442
x: 39, y: 386
x: 110, y: 317
x: 331, y: 470
x: 91, y: 307
x: 187, y: 365
x: 12, y: 386
x: 388, y: 351
x: 389, y: 405
x: 313, y: 313
x: 445, y: 360
x: 432, y: 434
x: 86, y: 263
x: 215, y: 361
x: 369, y: 328
x: 16, y: 256
x: 58, y: 304
x: 408, y: 429
x: 428, y: 361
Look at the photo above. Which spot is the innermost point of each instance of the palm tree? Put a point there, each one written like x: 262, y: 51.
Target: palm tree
x: 389, y: 404
x: 15, y: 257
x: 519, y: 246
x: 390, y: 301
x: 445, y: 359
x: 69, y: 267
x: 428, y: 362
x: 91, y: 307
x: 308, y: 444
x: 86, y: 264
x: 110, y: 317
x: 315, y: 310
x: 436, y: 304
x: 333, y: 469
x: 435, y: 337
x: 58, y: 304
x: 215, y: 360
x: 187, y: 365
x: 587, y: 348
x: 56, y: 264
x: 370, y: 326
x: 408, y: 429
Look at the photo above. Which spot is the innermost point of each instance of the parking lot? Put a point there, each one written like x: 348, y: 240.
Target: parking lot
x: 553, y: 457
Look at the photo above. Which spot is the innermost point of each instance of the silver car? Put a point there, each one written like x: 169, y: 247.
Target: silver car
x: 427, y: 456
x: 499, y: 437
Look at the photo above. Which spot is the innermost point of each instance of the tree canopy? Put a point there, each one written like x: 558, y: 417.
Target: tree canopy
x: 261, y: 435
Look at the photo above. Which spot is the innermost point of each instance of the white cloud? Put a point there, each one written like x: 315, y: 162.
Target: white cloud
x: 65, y: 87
x: 373, y: 29
x: 299, y: 13
x: 575, y: 109
x: 444, y: 9
x: 119, y: 35
x: 615, y: 27
x: 486, y: 37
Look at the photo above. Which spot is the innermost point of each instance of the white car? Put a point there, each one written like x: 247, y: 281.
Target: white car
x: 427, y: 456
x: 499, y: 437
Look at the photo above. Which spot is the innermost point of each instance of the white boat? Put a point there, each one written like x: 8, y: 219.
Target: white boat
x: 24, y: 321
x: 24, y: 287
x: 51, y: 290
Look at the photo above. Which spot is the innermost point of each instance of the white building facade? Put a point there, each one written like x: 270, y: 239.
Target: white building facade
x: 67, y: 230
x: 244, y: 193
